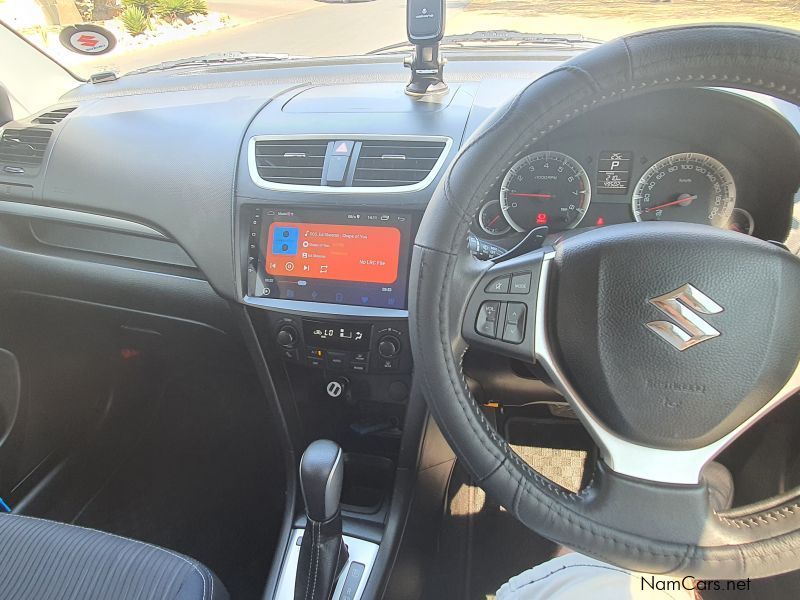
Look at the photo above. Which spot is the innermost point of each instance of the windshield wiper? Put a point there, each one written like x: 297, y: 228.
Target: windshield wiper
x: 504, y: 38
x: 208, y: 60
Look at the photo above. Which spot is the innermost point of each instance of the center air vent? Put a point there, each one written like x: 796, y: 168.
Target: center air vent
x: 291, y: 162
x: 54, y: 116
x: 384, y: 163
x: 335, y: 164
x: 24, y: 146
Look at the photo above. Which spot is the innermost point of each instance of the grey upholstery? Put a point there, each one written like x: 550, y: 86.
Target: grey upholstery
x: 44, y: 560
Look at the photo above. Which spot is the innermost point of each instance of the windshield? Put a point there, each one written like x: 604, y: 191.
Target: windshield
x: 91, y: 36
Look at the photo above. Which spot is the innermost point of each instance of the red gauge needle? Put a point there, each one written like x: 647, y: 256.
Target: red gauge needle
x: 683, y: 200
x: 493, y: 221
x: 516, y: 195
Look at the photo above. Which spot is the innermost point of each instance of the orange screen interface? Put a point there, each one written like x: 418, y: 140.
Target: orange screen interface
x: 340, y: 252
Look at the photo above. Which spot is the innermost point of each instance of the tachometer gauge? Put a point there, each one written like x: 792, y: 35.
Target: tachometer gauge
x: 687, y: 187
x: 491, y: 219
x: 545, y: 188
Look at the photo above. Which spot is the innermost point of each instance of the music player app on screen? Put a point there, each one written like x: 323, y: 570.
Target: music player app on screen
x: 342, y: 252
x: 337, y: 257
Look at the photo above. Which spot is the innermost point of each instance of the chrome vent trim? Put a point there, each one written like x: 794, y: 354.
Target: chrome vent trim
x: 54, y: 116
x: 408, y: 185
x: 395, y: 163
x: 24, y: 145
x: 296, y: 162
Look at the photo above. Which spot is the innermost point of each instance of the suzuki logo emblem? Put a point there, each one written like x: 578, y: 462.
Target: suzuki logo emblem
x: 682, y: 306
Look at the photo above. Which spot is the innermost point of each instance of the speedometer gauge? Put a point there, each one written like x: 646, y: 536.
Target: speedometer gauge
x: 545, y: 188
x: 687, y: 187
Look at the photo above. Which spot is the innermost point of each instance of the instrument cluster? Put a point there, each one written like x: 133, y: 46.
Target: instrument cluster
x: 554, y: 189
x: 706, y: 157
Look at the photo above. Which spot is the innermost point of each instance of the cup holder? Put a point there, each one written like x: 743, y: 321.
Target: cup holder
x: 367, y: 482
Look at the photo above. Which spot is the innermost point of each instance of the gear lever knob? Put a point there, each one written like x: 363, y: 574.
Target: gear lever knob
x: 323, y: 553
x: 321, y: 475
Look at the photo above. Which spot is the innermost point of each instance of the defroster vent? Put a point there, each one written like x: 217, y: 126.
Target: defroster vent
x: 54, y: 116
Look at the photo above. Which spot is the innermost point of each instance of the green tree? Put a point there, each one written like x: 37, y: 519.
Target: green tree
x: 134, y: 20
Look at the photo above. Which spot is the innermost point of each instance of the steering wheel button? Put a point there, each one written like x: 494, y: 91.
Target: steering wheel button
x: 515, y: 315
x: 514, y: 329
x: 521, y: 283
x: 514, y: 334
x: 486, y: 323
x: 499, y: 285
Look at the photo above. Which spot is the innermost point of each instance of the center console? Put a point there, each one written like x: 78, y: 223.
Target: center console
x: 328, y: 201
x: 327, y: 291
x: 336, y: 284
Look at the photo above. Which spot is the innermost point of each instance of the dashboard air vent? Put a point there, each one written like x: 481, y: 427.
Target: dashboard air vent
x: 392, y: 163
x: 24, y: 146
x: 54, y: 116
x: 291, y: 162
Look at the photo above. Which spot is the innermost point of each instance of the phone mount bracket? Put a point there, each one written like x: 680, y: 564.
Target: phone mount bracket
x: 425, y: 28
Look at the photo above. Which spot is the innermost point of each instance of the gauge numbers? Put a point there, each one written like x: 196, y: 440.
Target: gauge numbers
x: 688, y: 187
x: 545, y: 188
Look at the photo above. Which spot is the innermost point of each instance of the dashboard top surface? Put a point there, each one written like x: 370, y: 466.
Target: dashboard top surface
x: 169, y: 150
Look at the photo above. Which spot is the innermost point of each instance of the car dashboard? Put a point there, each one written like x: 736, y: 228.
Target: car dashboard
x: 185, y: 154
x: 275, y: 209
x: 295, y: 190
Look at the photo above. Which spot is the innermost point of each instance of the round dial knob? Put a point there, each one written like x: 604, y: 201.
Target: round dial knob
x: 287, y: 336
x: 388, y: 346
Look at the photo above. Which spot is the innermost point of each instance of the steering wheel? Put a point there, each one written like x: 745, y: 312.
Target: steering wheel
x: 667, y: 339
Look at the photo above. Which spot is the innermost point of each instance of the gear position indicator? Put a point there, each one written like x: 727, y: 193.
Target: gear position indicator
x: 614, y: 172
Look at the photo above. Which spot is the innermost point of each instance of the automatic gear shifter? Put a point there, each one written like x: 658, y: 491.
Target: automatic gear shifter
x: 323, y: 553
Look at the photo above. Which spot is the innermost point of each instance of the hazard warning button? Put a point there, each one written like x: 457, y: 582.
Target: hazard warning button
x: 337, y: 162
x: 342, y: 147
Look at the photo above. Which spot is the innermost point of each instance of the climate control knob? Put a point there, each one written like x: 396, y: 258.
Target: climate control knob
x: 287, y: 337
x: 388, y: 346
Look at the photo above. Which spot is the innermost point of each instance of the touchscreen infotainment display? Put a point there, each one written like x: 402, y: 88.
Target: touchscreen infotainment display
x: 336, y: 256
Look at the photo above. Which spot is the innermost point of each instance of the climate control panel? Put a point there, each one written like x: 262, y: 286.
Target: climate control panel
x: 379, y: 346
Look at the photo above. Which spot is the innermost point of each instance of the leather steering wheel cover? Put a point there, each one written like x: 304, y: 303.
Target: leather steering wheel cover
x: 757, y: 541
